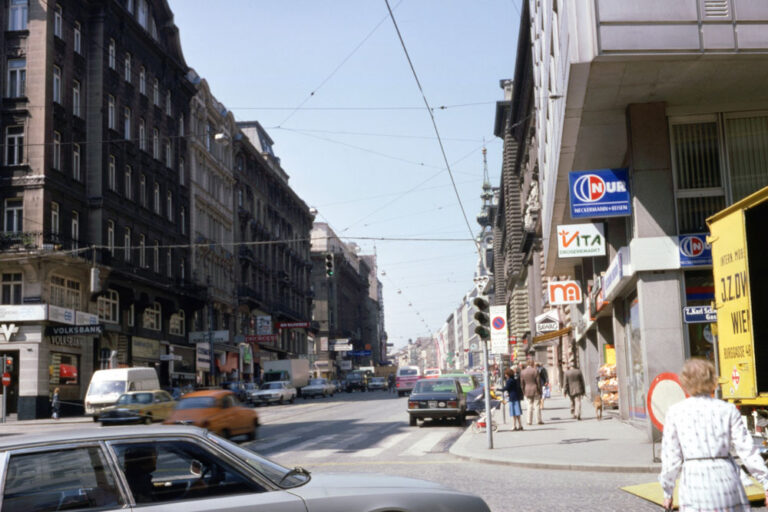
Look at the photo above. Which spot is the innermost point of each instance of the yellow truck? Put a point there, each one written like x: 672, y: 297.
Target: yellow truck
x: 740, y: 266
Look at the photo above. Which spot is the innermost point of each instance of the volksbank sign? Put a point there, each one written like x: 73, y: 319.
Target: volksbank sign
x: 599, y: 193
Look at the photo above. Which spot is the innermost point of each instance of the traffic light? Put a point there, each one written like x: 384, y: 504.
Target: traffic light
x: 8, y: 364
x: 483, y: 329
x: 329, y: 265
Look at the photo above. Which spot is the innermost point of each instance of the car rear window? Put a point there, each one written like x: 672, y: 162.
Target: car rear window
x: 408, y: 372
x: 197, y: 402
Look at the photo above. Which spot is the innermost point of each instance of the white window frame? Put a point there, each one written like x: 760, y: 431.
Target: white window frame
x: 111, y: 237
x: 111, y: 173
x: 18, y: 11
x: 65, y: 292
x: 127, y: 244
x: 75, y: 229
x: 181, y: 125
x: 127, y: 67
x: 76, y: 103
x: 156, y: 92
x: 57, y: 84
x: 169, y: 263
x: 112, y: 51
x: 142, y: 81
x: 176, y: 324
x: 14, y: 145
x: 143, y: 14
x: 142, y: 135
x: 57, y: 150
x: 169, y: 206
x: 152, y: 317
x: 17, y: 78
x: 127, y: 123
x: 155, y: 144
x: 55, y: 217
x: 168, y: 109
x: 156, y: 198
x: 108, y: 307
x: 182, y: 178
x: 183, y: 220
x: 13, y: 215
x: 57, y: 21
x: 142, y: 251
x: 76, y: 162
x: 128, y: 182
x: 168, y: 155
x: 130, y: 315
x: 111, y: 112
x: 143, y: 190
x: 156, y: 257
x: 77, y: 38
x: 12, y: 281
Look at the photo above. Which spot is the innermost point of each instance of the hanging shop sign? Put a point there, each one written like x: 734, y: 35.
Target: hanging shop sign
x: 547, y: 322
x: 203, y: 356
x: 71, y: 330
x: 264, y: 325
x: 617, y: 273
x: 581, y: 240
x: 563, y: 292
x: 292, y: 325
x: 261, y: 338
x: 599, y: 193
x: 694, y: 250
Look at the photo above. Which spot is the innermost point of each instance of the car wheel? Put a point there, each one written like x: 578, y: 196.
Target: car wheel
x: 252, y: 434
x: 412, y: 421
x: 95, y: 419
x: 460, y: 420
x: 293, y: 399
x: 148, y: 419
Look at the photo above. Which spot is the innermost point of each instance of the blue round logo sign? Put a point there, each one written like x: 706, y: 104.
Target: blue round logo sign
x: 498, y: 323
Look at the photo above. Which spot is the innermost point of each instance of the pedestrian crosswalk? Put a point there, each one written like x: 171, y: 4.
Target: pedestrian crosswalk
x: 360, y: 442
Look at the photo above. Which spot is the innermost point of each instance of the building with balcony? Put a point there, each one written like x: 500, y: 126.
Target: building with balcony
x: 672, y: 92
x: 96, y: 102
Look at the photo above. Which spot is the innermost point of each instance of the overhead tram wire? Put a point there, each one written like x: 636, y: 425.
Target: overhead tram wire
x: 434, y: 125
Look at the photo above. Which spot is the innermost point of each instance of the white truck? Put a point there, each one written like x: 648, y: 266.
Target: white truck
x: 295, y: 371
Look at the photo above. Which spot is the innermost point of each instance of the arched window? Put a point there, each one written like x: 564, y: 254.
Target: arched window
x: 109, y: 307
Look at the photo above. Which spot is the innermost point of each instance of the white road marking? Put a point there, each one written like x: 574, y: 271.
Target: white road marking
x: 377, y: 449
x: 425, y: 444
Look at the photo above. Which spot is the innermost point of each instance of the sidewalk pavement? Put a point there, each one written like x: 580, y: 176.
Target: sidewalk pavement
x: 563, y: 442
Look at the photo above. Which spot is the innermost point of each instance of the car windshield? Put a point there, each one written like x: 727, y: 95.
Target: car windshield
x: 436, y: 386
x: 106, y: 387
x: 317, y: 382
x: 136, y: 398
x: 271, y: 470
x: 272, y: 385
x: 408, y: 372
x: 197, y: 402
x: 377, y: 379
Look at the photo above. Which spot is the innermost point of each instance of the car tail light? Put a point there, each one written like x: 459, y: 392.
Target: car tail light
x: 453, y: 403
x: 413, y: 405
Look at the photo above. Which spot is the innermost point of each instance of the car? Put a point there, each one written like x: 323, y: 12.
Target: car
x: 356, y: 381
x: 240, y: 389
x: 138, y: 407
x: 437, y: 398
x: 317, y: 387
x: 431, y: 373
x: 476, y: 401
x: 278, y: 392
x: 187, y: 468
x: 468, y: 382
x: 377, y: 384
x: 217, y: 410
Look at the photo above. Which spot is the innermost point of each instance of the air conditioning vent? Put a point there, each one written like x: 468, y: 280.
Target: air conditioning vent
x: 717, y: 8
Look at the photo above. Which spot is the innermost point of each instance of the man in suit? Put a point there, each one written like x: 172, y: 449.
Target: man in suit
x: 531, y: 386
x: 574, y: 389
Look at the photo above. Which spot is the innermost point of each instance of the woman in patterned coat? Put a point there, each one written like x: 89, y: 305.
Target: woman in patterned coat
x: 699, y: 434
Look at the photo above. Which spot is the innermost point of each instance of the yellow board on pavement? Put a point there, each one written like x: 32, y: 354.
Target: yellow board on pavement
x: 653, y: 493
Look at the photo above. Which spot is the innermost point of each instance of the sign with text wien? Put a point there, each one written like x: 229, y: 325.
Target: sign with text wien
x: 580, y: 240
x: 599, y: 193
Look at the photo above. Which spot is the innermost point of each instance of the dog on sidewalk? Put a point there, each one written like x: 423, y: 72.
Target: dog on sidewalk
x: 598, y: 403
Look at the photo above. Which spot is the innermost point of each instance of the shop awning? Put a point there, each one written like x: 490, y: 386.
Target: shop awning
x: 551, y: 335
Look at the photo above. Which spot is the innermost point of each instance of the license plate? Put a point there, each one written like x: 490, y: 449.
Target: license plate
x: 432, y: 404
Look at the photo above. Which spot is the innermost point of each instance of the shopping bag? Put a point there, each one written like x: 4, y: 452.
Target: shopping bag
x: 547, y: 393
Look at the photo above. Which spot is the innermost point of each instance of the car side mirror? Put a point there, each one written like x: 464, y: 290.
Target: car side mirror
x: 196, y: 468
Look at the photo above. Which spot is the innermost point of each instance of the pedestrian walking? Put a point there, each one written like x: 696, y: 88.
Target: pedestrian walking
x: 700, y: 433
x: 531, y: 387
x: 574, y: 389
x: 544, y: 378
x: 391, y: 382
x: 514, y: 394
x: 55, y: 404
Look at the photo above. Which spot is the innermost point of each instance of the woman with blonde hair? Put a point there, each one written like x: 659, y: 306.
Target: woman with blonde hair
x: 699, y: 434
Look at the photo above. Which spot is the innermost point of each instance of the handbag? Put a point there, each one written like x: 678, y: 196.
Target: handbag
x: 546, y: 393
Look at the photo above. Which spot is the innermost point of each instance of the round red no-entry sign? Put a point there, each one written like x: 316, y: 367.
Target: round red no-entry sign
x: 6, y: 379
x: 498, y: 323
x: 665, y: 390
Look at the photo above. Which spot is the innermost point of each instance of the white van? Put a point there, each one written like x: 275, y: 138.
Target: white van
x: 406, y: 378
x: 107, y: 385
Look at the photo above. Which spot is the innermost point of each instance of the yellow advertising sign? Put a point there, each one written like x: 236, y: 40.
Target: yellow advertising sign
x: 732, y: 302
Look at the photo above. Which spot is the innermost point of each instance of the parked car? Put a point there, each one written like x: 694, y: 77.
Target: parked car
x: 185, y: 468
x: 217, y: 410
x: 377, y: 384
x: 468, y: 382
x: 356, y: 381
x: 476, y: 401
x: 277, y: 392
x: 238, y: 388
x: 138, y: 407
x: 317, y: 387
x: 437, y: 399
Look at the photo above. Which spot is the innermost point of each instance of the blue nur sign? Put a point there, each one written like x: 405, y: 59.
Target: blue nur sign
x: 599, y: 193
x: 694, y: 250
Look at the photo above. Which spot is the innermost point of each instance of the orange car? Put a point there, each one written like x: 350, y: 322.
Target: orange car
x: 216, y: 410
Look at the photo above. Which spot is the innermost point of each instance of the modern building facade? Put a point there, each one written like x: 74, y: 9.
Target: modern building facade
x: 672, y: 93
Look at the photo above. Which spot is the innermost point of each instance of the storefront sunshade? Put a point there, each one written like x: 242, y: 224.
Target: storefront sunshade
x: 551, y: 335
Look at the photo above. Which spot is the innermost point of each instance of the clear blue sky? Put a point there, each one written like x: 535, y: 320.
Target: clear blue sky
x: 362, y: 149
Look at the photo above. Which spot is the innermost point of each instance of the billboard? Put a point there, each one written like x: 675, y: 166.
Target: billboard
x: 563, y: 292
x: 599, y: 193
x: 581, y: 240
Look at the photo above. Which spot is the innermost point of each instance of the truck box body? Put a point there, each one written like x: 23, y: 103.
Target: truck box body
x: 740, y: 268
x: 295, y: 371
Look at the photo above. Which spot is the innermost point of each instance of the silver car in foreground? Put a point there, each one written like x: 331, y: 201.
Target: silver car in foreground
x: 175, y: 468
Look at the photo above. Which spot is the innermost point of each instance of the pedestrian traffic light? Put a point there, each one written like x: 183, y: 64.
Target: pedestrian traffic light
x: 483, y: 329
x: 329, y: 265
x: 8, y: 364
